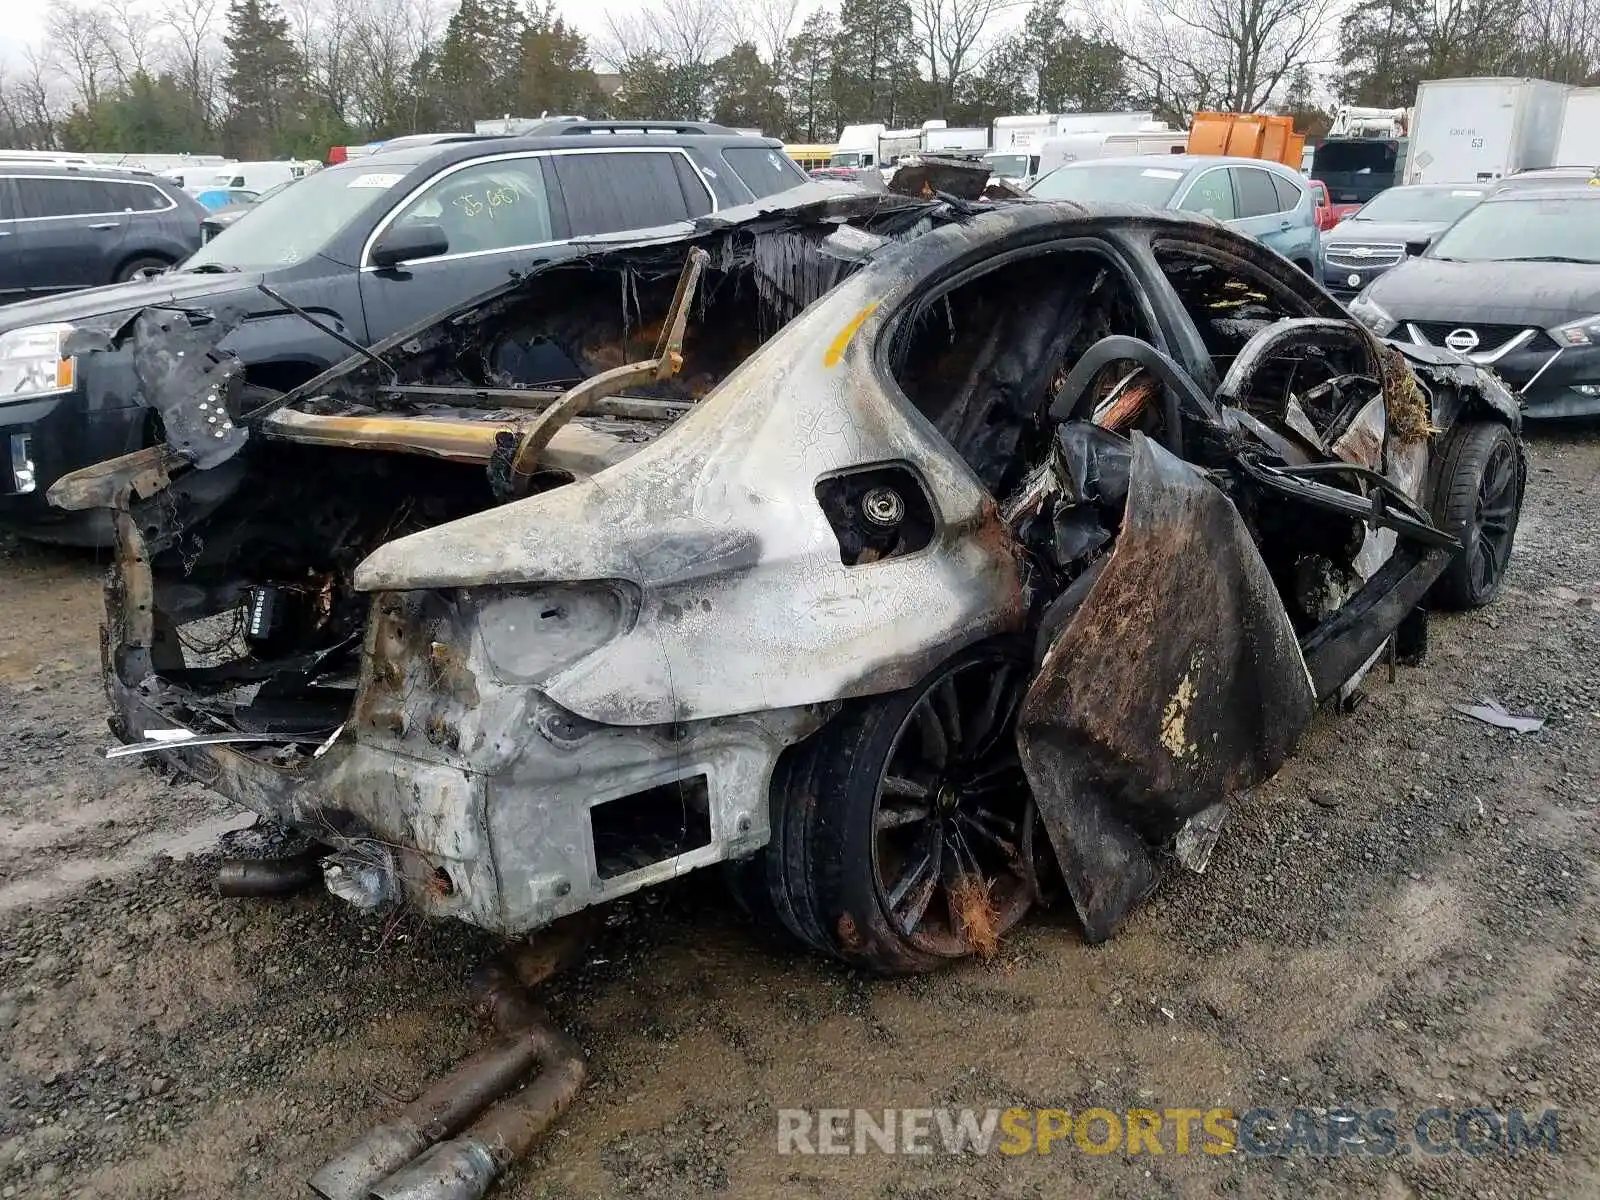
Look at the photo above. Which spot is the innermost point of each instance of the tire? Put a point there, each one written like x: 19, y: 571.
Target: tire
x: 888, y: 880
x: 774, y: 887
x: 1478, y: 499
x: 134, y: 267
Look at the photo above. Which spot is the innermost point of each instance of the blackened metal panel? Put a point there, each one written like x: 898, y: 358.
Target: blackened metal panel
x: 1177, y: 683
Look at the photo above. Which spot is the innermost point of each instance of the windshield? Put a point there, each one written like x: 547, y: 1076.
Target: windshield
x: 1376, y: 157
x: 1419, y: 204
x: 1096, y: 181
x: 1009, y: 166
x: 846, y: 158
x: 1536, y: 230
x: 299, y: 223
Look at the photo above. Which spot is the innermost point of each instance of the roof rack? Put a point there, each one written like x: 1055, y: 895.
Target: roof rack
x: 668, y: 127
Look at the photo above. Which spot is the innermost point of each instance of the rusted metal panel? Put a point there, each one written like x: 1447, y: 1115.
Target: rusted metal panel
x: 140, y: 475
x: 1176, y: 683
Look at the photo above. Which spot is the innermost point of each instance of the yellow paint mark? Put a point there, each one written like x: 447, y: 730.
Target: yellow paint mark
x: 837, y: 346
x: 1175, y: 717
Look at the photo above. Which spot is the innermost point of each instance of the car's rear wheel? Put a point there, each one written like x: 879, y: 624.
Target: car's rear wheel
x: 1478, y: 499
x: 905, y: 835
x: 138, y: 268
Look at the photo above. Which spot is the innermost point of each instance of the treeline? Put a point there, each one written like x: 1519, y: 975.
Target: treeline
x: 265, y: 78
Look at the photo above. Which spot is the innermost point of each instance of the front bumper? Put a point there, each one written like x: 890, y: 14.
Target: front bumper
x: 1345, y: 282
x: 453, y: 791
x: 44, y: 439
x: 1562, y: 386
x: 34, y: 440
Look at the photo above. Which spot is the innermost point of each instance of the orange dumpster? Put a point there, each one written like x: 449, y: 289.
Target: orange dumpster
x: 1246, y: 135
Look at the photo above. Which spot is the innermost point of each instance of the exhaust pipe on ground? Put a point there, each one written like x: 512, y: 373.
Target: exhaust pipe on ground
x: 409, y: 1158
x: 443, y: 1110
x: 261, y: 877
x: 466, y: 1167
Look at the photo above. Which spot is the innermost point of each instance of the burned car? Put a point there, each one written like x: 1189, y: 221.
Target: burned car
x: 918, y: 560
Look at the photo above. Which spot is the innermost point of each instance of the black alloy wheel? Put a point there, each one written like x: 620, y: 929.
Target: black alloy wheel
x: 1479, y: 501
x: 904, y: 832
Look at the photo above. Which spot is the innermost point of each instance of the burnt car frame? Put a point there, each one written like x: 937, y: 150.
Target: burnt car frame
x: 918, y: 560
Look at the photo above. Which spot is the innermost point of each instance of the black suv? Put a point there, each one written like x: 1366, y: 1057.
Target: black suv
x: 366, y: 248
x: 63, y: 227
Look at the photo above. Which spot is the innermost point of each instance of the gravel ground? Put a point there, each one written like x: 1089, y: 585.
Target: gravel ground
x: 1405, y: 917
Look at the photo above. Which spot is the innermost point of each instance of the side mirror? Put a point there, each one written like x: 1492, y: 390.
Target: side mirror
x: 411, y: 240
x: 1414, y: 249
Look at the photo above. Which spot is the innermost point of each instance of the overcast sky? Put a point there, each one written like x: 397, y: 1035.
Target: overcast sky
x: 23, y: 20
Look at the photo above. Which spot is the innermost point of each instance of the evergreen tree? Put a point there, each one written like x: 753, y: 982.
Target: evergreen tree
x: 149, y: 115
x: 874, y: 64
x: 744, y: 91
x: 554, y: 75
x: 808, y: 81
x: 262, y: 68
x: 654, y: 86
x: 477, y: 68
x: 1049, y: 66
x: 1389, y: 46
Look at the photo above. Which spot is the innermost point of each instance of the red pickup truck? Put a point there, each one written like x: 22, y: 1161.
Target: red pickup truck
x: 1328, y: 213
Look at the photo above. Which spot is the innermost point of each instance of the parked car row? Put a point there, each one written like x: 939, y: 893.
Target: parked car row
x: 363, y: 250
x: 353, y: 253
x: 65, y: 227
x: 1264, y: 200
x: 1393, y: 224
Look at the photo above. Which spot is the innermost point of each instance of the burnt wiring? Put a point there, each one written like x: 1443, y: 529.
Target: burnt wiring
x: 207, y: 649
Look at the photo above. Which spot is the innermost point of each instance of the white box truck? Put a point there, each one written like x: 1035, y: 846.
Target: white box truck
x: 858, y: 146
x: 1580, y: 130
x: 1157, y: 139
x: 1103, y: 122
x: 1014, y: 153
x: 1477, y: 130
x: 895, y: 144
x: 944, y: 140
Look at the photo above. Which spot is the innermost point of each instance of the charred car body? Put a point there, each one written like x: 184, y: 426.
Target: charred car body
x: 917, y: 559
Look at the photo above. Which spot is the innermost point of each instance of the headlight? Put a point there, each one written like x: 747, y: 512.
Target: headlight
x: 32, y: 363
x: 1585, y: 332
x: 1372, y: 314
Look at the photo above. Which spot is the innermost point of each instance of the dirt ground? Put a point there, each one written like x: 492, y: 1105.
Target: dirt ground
x: 1404, y: 918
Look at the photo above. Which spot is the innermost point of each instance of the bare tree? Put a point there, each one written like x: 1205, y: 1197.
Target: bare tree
x: 131, y: 40
x: 386, y: 39
x: 686, y: 33
x: 765, y: 24
x: 195, y: 52
x: 949, y: 36
x: 30, y: 103
x: 324, y: 35
x: 1225, y: 54
x: 1561, y: 40
x: 80, y: 46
